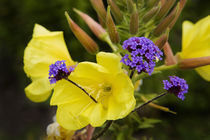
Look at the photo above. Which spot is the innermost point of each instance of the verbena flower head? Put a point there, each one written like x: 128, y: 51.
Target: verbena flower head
x: 106, y: 82
x: 143, y: 54
x: 44, y: 49
x: 59, y: 71
x: 177, y: 86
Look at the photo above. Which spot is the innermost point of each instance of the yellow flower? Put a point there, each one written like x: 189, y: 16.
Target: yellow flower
x: 45, y: 48
x: 106, y: 82
x: 196, y: 43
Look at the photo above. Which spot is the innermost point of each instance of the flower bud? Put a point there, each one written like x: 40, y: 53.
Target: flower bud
x: 170, y: 58
x: 100, y: 9
x: 182, y: 4
x: 134, y: 22
x: 152, y: 3
x: 88, y: 43
x: 165, y: 8
x: 112, y: 30
x: 151, y: 13
x: 93, y: 25
x: 166, y: 22
x: 161, y: 41
x: 130, y: 5
x: 192, y: 63
x: 118, y: 16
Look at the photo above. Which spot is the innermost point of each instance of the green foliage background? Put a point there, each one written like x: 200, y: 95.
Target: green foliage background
x: 21, y: 119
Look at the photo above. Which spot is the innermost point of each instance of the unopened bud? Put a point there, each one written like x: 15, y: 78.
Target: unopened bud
x: 134, y: 22
x: 88, y: 43
x: 100, y: 9
x: 170, y: 58
x: 112, y: 30
x: 93, y: 25
x: 165, y: 9
x: 152, y: 3
x: 151, y: 13
x: 182, y: 4
x: 166, y: 22
x: 118, y: 16
x: 194, y: 62
x: 161, y: 41
x: 130, y: 5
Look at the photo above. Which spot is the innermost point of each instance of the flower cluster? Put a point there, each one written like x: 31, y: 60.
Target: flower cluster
x: 143, y: 54
x: 177, y: 86
x: 59, y: 71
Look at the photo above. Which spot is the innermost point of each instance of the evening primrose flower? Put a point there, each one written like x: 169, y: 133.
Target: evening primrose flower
x: 105, y: 82
x: 196, y: 43
x: 45, y: 48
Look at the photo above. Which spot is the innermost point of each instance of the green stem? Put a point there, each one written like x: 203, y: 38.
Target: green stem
x: 138, y: 108
x: 156, y: 71
x: 108, y: 41
x: 102, y: 132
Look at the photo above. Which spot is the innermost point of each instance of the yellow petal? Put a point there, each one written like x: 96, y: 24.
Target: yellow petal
x: 39, y: 90
x: 66, y: 92
x: 117, y: 110
x: 68, y: 115
x: 186, y: 28
x: 204, y: 72
x: 196, y: 39
x: 90, y: 71
x: 96, y: 114
x: 123, y: 88
x: 110, y: 61
x: 44, y: 49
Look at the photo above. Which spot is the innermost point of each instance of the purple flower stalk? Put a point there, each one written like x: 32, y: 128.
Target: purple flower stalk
x: 59, y: 71
x: 177, y: 86
x: 143, y: 54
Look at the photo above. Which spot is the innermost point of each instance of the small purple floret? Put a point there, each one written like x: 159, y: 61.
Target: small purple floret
x: 177, y: 86
x: 143, y: 54
x: 59, y: 71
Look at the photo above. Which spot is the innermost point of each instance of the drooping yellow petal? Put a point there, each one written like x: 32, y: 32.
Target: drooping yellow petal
x: 68, y: 115
x: 44, y: 49
x: 39, y: 90
x: 110, y: 61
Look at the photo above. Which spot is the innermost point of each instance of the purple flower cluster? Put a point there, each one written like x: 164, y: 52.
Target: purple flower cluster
x: 59, y: 71
x: 143, y: 54
x: 177, y: 86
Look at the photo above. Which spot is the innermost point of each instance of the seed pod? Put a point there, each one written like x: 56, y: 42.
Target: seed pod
x: 166, y: 22
x: 118, y: 16
x: 112, y: 30
x: 88, y: 43
x: 93, y: 25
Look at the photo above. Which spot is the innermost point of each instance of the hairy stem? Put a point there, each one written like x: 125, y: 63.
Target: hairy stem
x: 138, y: 108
